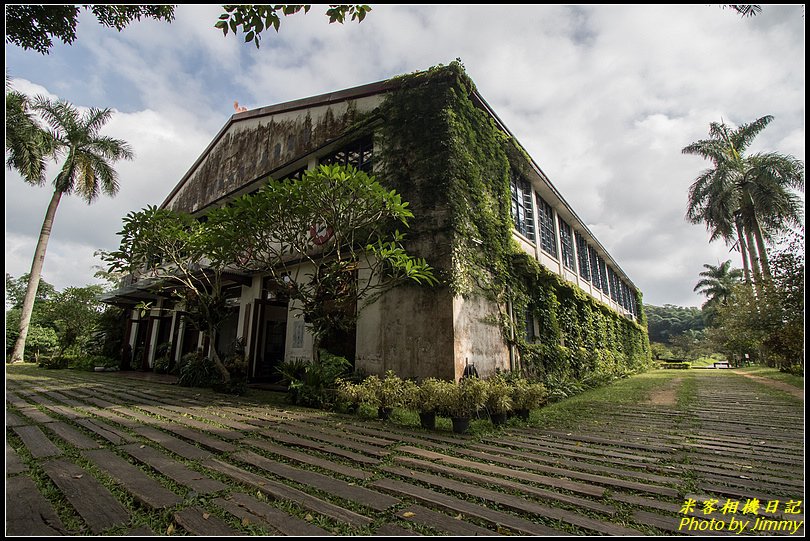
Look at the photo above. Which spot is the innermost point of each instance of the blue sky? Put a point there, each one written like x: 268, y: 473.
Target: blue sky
x: 603, y: 98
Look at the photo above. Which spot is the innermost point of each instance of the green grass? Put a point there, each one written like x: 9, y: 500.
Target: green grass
x: 633, y: 390
x: 774, y: 374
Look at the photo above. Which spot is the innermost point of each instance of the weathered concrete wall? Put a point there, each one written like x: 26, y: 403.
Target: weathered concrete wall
x: 477, y: 336
x: 413, y: 334
x: 253, y: 147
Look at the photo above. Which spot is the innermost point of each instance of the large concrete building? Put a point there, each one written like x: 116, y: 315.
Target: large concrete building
x: 475, y: 195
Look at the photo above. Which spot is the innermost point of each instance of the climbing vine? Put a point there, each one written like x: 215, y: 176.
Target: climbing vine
x: 445, y: 154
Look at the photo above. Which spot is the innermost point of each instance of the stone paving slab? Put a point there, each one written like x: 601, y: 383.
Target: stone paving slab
x: 72, y: 436
x: 96, y: 505
x: 37, y: 442
x: 253, y: 511
x: 197, y: 521
x: 141, y: 486
x: 280, y: 491
x: 14, y: 464
x: 28, y: 512
x: 196, y: 481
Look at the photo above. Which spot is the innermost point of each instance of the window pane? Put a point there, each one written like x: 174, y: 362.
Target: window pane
x: 522, y: 207
x: 548, y: 239
x: 567, y: 245
x: 582, y: 255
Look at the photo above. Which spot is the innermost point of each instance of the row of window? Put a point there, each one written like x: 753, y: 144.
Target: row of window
x: 583, y: 259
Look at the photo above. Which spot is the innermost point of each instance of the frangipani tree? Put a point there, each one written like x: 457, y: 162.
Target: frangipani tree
x: 315, y: 236
x: 309, y: 236
x: 173, y: 250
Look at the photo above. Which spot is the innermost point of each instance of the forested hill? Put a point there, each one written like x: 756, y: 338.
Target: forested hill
x: 665, y: 322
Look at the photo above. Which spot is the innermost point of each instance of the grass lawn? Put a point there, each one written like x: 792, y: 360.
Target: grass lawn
x: 775, y: 374
x: 633, y: 390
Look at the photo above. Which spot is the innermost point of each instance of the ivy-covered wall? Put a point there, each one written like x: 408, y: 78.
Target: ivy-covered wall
x: 447, y: 157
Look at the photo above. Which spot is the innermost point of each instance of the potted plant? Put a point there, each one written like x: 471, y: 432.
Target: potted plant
x: 462, y: 401
x: 425, y: 399
x: 527, y: 396
x: 499, y: 399
x: 349, y: 395
x: 386, y: 393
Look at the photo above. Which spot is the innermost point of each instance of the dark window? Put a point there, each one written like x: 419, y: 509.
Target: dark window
x: 359, y: 154
x: 594, y: 261
x: 567, y: 245
x: 603, y: 276
x: 582, y: 255
x: 613, y: 278
x: 625, y: 289
x: 548, y: 239
x: 522, y: 207
x: 530, y: 336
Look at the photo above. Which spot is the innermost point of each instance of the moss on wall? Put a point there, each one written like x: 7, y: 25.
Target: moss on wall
x: 447, y: 157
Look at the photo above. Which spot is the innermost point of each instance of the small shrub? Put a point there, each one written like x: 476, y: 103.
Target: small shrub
x: 197, y: 370
x: 53, y: 363
x: 676, y: 366
x: 162, y: 363
x: 314, y: 384
x: 463, y: 399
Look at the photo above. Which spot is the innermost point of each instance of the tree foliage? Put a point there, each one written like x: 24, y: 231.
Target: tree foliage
x: 61, y: 321
x: 253, y: 19
x: 87, y: 170
x: 769, y: 324
x: 35, y: 26
x: 745, y: 200
x: 669, y: 321
x: 330, y: 241
x: 311, y: 237
x: 717, y: 284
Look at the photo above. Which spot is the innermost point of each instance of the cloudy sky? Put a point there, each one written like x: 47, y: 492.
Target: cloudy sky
x: 603, y: 98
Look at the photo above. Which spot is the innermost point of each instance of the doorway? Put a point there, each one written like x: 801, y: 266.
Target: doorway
x: 270, y: 339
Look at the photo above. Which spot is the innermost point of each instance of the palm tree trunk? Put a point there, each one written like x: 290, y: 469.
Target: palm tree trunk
x: 743, y: 253
x: 752, y: 254
x: 18, y: 353
x: 763, y: 254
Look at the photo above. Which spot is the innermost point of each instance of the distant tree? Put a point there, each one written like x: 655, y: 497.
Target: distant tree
x: 87, y: 171
x: 770, y: 324
x: 717, y: 284
x: 74, y: 313
x: 669, y: 321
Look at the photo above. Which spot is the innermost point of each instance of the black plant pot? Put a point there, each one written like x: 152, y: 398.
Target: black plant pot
x: 427, y: 419
x: 460, y: 424
x: 523, y: 414
x: 384, y: 413
x: 497, y: 418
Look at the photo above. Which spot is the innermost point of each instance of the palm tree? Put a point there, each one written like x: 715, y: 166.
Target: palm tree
x: 27, y: 144
x: 717, y: 283
x: 86, y: 171
x: 745, y: 200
